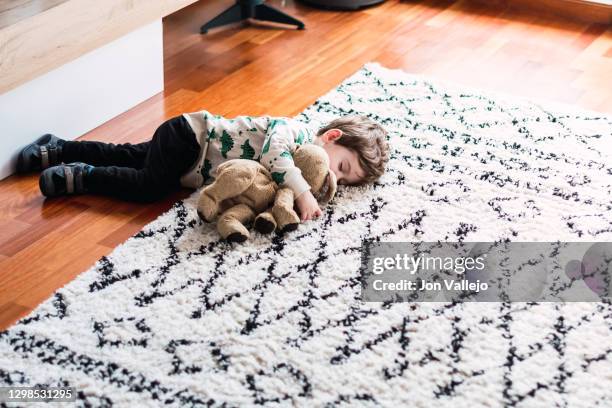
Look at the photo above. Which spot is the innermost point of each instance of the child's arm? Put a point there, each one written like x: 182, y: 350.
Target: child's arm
x: 280, y: 142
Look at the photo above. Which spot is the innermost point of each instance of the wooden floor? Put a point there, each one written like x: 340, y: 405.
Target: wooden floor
x: 255, y: 69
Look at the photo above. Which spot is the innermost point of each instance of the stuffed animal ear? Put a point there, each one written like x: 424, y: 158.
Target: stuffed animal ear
x: 331, y: 188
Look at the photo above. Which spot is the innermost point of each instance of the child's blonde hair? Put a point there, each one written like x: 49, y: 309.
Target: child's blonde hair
x: 367, y: 138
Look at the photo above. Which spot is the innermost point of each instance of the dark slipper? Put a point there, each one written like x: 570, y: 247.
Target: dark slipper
x: 43, y: 153
x: 64, y: 179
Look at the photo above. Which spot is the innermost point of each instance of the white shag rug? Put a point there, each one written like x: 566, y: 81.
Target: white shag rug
x: 176, y: 317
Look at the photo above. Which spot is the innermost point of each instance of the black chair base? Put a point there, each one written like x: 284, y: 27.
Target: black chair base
x: 255, y: 9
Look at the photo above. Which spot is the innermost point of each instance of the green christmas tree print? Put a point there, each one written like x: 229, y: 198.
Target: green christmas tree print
x: 300, y: 138
x: 275, y: 122
x: 206, y: 169
x: 253, y: 128
x: 211, y: 134
x: 266, y: 147
x: 247, y: 151
x: 285, y: 154
x: 226, y: 144
x: 278, y: 178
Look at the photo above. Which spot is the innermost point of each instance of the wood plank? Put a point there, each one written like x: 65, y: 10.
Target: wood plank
x: 143, y: 217
x: 588, y: 11
x: 10, y: 312
x: 11, y: 229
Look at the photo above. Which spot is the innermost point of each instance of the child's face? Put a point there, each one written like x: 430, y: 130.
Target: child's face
x: 343, y: 161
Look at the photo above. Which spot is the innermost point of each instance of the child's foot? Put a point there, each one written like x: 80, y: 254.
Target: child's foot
x: 64, y: 179
x: 46, y: 151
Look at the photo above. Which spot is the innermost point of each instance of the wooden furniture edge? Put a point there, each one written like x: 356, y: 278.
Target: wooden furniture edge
x: 58, y: 35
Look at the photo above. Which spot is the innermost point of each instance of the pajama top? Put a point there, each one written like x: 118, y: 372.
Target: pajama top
x: 269, y: 140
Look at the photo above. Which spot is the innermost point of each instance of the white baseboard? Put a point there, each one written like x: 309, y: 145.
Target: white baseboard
x: 83, y: 94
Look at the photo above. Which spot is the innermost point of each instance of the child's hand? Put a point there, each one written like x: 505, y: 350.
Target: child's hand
x: 308, y: 206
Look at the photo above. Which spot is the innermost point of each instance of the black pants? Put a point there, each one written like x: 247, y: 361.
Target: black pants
x: 142, y: 172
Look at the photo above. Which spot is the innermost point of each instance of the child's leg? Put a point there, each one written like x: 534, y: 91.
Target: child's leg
x: 127, y: 183
x: 105, y: 154
x: 49, y: 150
x: 171, y: 152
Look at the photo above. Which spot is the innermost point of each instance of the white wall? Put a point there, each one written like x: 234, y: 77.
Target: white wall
x: 83, y: 94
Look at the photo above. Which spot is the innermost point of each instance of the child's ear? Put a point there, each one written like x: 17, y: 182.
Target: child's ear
x: 331, y: 135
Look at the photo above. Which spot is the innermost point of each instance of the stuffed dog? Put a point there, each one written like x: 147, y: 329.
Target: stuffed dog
x: 244, y: 193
